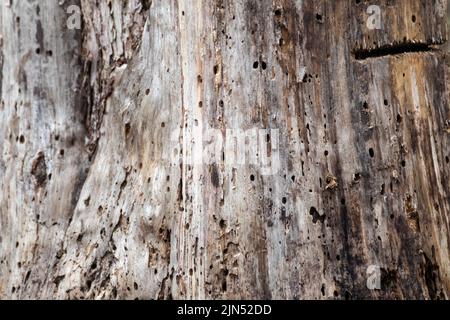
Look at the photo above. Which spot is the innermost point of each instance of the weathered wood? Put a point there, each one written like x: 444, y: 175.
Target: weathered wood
x: 43, y: 163
x: 346, y: 155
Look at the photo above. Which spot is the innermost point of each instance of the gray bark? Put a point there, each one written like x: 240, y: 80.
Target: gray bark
x: 102, y: 128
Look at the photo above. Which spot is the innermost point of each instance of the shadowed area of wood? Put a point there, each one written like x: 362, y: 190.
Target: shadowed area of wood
x: 338, y: 158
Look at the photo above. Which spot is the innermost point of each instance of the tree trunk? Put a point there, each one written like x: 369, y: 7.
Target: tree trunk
x: 280, y: 149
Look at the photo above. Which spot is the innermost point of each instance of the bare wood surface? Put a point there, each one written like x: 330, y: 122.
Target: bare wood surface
x: 101, y: 131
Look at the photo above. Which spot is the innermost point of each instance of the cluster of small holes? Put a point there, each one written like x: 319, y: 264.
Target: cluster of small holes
x: 263, y: 65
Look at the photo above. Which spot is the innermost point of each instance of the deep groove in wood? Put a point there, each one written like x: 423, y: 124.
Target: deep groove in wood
x: 393, y: 50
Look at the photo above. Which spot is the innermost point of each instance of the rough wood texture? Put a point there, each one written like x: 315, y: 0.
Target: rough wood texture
x: 43, y: 164
x: 102, y: 131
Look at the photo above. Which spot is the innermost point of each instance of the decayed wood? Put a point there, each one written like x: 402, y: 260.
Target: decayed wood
x: 43, y: 162
x: 346, y: 158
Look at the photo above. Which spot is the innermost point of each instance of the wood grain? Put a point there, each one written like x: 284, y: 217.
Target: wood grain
x: 344, y: 162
